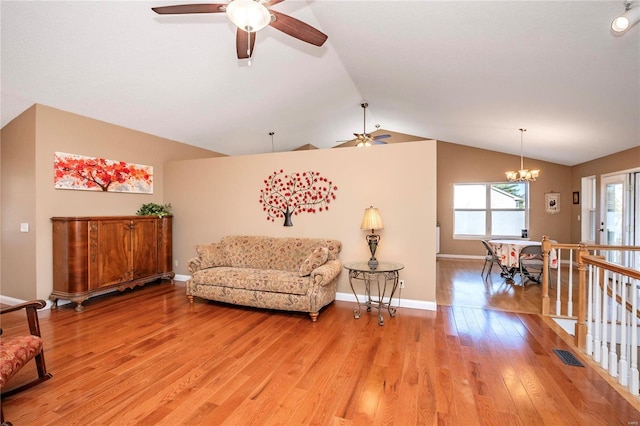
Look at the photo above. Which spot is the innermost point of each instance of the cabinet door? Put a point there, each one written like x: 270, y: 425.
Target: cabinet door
x: 113, y: 252
x: 165, y: 244
x: 145, y: 247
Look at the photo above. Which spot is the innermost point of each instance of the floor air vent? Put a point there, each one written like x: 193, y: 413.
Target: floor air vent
x: 568, y: 358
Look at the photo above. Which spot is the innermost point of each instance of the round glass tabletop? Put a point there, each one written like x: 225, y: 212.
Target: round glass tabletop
x: 382, y: 267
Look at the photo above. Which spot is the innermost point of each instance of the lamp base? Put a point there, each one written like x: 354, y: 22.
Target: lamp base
x: 372, y: 240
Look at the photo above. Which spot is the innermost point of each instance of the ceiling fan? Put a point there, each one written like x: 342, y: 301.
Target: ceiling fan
x: 364, y: 138
x: 251, y: 16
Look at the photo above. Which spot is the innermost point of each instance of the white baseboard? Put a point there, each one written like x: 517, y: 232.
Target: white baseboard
x: 398, y: 302
x: 346, y: 297
x: 349, y: 297
x: 180, y: 277
x: 6, y: 300
x: 458, y: 256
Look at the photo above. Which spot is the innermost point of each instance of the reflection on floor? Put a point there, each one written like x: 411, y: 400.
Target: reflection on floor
x: 460, y: 284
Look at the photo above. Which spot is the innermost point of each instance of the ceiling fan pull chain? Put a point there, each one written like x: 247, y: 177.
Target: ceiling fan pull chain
x: 249, y: 46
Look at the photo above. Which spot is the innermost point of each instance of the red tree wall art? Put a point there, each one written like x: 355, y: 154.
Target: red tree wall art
x: 296, y: 193
x: 99, y: 174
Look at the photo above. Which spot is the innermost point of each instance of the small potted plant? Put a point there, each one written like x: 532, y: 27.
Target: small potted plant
x: 153, y: 209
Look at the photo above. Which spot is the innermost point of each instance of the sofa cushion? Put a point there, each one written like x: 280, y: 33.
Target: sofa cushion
x: 318, y: 257
x: 268, y: 280
x: 211, y: 255
x: 247, y: 251
x: 287, y: 254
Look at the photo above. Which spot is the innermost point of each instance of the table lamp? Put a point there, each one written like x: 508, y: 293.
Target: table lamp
x: 373, y: 221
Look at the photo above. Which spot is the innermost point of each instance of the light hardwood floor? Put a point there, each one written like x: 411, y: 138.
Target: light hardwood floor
x: 146, y: 357
x: 460, y: 284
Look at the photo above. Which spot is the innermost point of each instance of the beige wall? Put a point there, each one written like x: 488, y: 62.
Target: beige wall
x: 400, y: 179
x: 28, y: 145
x: 460, y: 164
x: 220, y: 196
x: 618, y: 162
x: 18, y: 273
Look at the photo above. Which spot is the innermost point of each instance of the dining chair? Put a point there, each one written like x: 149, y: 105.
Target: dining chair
x: 490, y: 258
x: 530, y: 264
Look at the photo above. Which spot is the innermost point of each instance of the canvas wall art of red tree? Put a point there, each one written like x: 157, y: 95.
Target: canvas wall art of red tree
x: 286, y: 195
x: 72, y: 171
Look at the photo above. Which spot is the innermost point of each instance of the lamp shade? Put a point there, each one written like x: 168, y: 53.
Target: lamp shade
x: 372, y: 219
x: 248, y: 15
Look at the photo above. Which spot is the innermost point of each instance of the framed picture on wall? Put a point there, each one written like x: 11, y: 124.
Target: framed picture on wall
x: 576, y: 197
x: 552, y: 202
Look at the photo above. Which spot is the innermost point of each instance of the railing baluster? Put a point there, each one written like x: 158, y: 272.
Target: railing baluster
x: 634, y: 385
x: 613, y: 322
x: 604, y: 349
x: 570, y: 287
x: 623, y: 369
x: 558, y: 287
x: 598, y: 308
x: 589, y: 348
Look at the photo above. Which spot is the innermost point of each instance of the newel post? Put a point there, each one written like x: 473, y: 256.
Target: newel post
x: 581, y: 325
x: 546, y: 249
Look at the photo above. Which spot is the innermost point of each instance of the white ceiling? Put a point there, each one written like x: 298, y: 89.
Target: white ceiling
x: 469, y: 72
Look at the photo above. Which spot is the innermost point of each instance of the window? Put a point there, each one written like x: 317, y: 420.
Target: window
x: 485, y: 210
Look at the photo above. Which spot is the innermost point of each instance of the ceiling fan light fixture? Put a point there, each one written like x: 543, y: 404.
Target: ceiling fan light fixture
x: 248, y: 15
x: 628, y: 19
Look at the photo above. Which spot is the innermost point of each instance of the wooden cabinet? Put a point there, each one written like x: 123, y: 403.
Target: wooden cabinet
x: 95, y: 255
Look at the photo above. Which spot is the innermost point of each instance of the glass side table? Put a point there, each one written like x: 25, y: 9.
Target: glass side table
x: 385, y: 277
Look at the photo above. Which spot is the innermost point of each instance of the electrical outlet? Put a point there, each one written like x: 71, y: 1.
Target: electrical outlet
x: 175, y: 262
x: 401, y: 282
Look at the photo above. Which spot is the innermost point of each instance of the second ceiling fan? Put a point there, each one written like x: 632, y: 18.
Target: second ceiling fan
x: 251, y: 16
x: 364, y: 138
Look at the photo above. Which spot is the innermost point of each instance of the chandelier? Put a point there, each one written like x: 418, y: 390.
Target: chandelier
x: 522, y: 175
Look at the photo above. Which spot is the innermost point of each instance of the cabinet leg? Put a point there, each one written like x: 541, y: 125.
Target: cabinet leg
x: 79, y: 307
x: 54, y: 306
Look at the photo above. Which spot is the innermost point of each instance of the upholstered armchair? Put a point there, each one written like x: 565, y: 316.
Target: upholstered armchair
x: 17, y: 350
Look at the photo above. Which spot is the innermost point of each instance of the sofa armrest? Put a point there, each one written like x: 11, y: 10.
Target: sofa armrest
x: 194, y: 264
x: 325, y: 273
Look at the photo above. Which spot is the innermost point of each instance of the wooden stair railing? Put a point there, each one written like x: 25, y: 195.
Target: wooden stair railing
x: 583, y: 259
x: 606, y: 326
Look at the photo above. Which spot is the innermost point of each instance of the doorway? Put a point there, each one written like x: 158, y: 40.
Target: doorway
x: 620, y: 214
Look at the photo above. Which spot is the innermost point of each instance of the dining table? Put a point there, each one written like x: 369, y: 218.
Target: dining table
x: 508, y: 253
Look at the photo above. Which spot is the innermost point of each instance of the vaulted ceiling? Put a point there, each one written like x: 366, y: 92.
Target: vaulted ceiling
x: 468, y: 72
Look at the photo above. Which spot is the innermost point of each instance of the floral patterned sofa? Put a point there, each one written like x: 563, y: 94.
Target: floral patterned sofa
x: 292, y: 274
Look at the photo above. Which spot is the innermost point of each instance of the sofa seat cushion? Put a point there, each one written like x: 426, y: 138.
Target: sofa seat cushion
x: 267, y: 280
